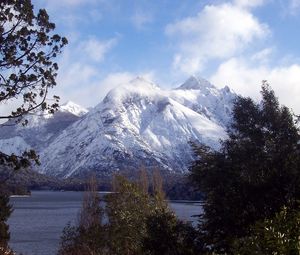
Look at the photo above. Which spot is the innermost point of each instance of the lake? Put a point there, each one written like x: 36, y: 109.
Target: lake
x: 37, y: 221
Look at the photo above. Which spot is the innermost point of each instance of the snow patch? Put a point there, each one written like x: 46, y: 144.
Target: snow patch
x: 15, y: 145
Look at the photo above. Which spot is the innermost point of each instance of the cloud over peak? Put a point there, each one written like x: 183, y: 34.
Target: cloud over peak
x: 216, y: 32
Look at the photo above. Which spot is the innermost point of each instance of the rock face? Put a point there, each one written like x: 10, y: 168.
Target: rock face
x: 137, y: 124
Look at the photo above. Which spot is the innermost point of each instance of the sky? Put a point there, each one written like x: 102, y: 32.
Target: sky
x: 237, y: 43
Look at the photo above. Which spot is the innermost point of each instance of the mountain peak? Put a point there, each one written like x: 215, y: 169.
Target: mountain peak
x: 137, y: 123
x: 140, y: 81
x: 73, y: 108
x: 195, y: 83
x: 227, y: 90
x: 138, y: 86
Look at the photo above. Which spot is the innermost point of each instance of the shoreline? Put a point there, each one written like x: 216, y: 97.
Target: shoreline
x: 20, y: 196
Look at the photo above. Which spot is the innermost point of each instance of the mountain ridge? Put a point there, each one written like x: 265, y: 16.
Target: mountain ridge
x: 137, y: 124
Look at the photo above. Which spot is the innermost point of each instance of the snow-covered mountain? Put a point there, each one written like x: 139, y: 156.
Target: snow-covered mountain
x: 41, y: 129
x: 137, y: 124
x: 204, y: 98
x: 75, y: 109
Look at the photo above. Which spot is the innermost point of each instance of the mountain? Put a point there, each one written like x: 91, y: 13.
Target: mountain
x: 72, y: 108
x: 204, y: 98
x: 41, y: 129
x: 136, y: 125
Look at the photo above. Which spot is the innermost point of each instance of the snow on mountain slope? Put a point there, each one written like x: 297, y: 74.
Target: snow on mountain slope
x: 41, y: 128
x: 137, y: 124
x: 39, y: 119
x: 15, y: 145
x: 140, y: 124
x: 196, y: 83
x: 73, y: 108
x: 204, y: 98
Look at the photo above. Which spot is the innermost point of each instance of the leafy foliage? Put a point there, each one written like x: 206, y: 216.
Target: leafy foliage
x: 137, y: 223
x: 256, y: 172
x: 127, y: 210
x: 27, y: 70
x: 279, y: 235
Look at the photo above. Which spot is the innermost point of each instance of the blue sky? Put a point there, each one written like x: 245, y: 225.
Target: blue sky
x: 237, y: 43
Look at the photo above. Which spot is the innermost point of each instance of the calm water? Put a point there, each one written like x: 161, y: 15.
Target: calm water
x: 37, y: 221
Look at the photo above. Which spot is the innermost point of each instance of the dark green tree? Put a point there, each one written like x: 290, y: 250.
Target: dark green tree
x: 254, y: 174
x: 167, y: 235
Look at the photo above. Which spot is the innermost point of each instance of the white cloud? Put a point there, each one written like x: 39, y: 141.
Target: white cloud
x: 293, y: 7
x: 110, y: 81
x: 141, y: 18
x: 96, y: 49
x: 8, y: 106
x: 249, y: 3
x: 263, y: 56
x: 92, y: 87
x: 216, y: 32
x: 77, y: 74
x: 82, y: 84
x: 96, y: 90
x: 227, y: 35
x: 246, y: 79
x: 82, y: 81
